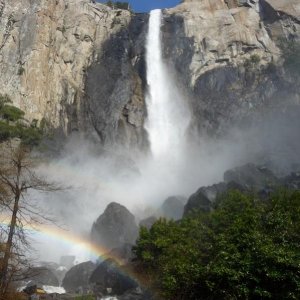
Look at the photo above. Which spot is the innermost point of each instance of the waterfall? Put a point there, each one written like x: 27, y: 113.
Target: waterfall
x: 168, y: 115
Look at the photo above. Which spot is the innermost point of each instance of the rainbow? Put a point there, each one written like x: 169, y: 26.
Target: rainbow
x: 74, y: 240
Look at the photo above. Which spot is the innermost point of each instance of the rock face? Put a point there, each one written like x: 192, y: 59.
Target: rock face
x: 108, y: 278
x: 251, y: 177
x: 79, y: 65
x: 115, y: 227
x: 225, y: 52
x: 245, y: 178
x: 77, y: 278
x: 124, y: 254
x: 73, y: 64
x: 173, y: 207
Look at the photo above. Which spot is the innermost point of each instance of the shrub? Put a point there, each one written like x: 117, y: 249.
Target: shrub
x: 118, y: 5
x: 245, y: 249
x: 11, y: 128
x: 11, y: 113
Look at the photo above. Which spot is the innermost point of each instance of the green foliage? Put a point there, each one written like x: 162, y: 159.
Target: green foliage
x: 245, y: 249
x: 11, y: 113
x: 30, y: 136
x: 291, y: 55
x: 118, y: 5
x: 4, y: 99
x: 11, y: 125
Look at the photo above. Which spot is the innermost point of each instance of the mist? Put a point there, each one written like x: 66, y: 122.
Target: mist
x: 178, y: 162
x: 95, y: 178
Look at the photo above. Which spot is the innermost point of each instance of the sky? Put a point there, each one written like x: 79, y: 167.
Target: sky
x: 147, y: 5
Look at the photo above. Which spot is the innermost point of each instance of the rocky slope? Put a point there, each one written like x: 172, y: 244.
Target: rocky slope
x: 80, y: 65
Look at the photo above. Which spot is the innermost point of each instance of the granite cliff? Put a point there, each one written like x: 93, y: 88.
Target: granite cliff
x: 75, y: 64
x: 229, y: 55
x: 80, y: 65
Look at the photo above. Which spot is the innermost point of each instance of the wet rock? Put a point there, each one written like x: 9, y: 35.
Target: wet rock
x: 115, y: 227
x: 251, y: 176
x: 173, y: 207
x: 123, y: 253
x: 77, y: 278
x: 248, y: 177
x: 109, y: 278
x: 204, y: 198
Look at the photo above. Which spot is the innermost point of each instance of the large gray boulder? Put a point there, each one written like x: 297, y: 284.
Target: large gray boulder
x: 109, y: 278
x: 115, y: 227
x: 205, y: 197
x: 252, y: 177
x: 173, y: 207
x: 77, y: 278
x: 123, y: 253
x: 248, y: 177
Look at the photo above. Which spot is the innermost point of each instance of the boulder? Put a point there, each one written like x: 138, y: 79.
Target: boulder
x: 109, y: 278
x: 123, y: 253
x: 204, y: 198
x: 115, y: 227
x: 252, y: 177
x: 248, y: 177
x: 77, y: 278
x: 173, y: 207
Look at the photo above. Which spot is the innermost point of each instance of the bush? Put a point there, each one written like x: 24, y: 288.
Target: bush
x: 11, y: 113
x: 118, y: 5
x: 4, y: 99
x: 245, y: 249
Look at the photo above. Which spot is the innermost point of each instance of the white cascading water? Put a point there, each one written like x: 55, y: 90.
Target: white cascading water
x: 168, y: 115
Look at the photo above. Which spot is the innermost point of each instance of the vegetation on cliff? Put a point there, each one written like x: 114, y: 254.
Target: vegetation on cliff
x: 13, y: 124
x: 247, y: 248
x: 118, y: 5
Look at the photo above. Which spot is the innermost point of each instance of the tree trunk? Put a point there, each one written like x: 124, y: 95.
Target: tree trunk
x: 9, y: 244
x: 8, y: 247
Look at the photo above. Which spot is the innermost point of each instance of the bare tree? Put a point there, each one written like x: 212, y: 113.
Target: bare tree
x: 17, y: 177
